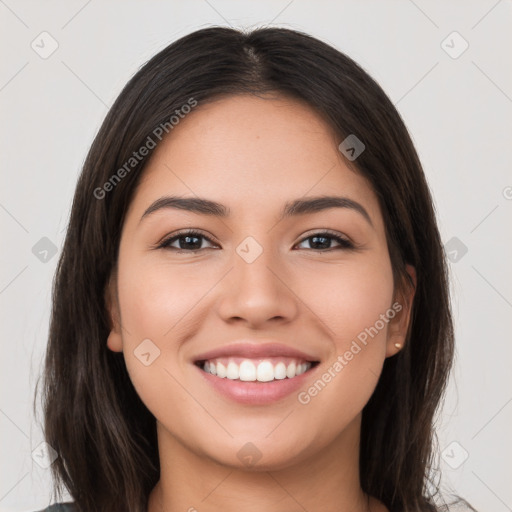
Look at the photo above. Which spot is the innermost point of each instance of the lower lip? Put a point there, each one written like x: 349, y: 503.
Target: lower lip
x: 257, y: 393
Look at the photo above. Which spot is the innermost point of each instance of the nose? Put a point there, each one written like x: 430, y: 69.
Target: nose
x: 257, y: 292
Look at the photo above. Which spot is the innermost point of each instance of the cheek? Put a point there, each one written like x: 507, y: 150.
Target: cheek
x: 155, y: 298
x: 350, y: 298
x: 355, y: 303
x: 165, y: 305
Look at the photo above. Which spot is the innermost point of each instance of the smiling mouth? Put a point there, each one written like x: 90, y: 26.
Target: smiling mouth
x: 256, y: 370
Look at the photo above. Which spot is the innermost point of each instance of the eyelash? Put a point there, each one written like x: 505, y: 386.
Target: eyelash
x: 344, y: 243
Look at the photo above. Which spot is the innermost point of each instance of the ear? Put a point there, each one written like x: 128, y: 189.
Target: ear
x: 114, y: 340
x: 402, y: 304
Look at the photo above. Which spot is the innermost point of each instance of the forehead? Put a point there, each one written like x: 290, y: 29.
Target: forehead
x: 252, y: 153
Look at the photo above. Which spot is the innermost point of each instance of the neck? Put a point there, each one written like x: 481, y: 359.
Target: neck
x: 324, y: 481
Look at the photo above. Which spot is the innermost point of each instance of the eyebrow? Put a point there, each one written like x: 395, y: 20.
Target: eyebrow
x: 291, y: 208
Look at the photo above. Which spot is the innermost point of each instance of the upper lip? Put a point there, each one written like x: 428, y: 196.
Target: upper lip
x: 254, y: 350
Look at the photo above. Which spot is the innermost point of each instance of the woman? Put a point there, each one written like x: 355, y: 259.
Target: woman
x: 251, y: 308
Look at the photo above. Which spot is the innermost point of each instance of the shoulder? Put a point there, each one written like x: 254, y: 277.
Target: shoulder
x: 60, y: 507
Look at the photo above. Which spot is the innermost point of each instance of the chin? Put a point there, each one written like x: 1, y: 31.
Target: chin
x: 258, y: 455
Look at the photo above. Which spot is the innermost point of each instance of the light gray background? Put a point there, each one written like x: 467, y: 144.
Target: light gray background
x: 458, y: 111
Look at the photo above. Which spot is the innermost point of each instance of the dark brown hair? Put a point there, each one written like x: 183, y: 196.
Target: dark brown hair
x: 93, y: 417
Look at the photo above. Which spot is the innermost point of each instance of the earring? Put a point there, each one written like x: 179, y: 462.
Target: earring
x: 398, y: 346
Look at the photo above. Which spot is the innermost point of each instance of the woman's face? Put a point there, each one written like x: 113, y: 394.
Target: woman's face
x: 257, y: 279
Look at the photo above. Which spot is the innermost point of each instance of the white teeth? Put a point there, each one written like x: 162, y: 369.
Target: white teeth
x: 265, y: 372
x: 248, y: 371
x: 233, y: 371
x: 290, y: 371
x: 280, y: 371
x: 221, y: 370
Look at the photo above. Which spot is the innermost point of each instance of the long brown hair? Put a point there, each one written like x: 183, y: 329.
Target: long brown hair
x: 104, y: 435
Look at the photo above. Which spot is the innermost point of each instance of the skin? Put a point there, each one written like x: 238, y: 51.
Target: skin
x: 253, y: 155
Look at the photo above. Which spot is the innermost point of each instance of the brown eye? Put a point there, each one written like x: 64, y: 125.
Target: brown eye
x: 324, y: 240
x: 188, y: 241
